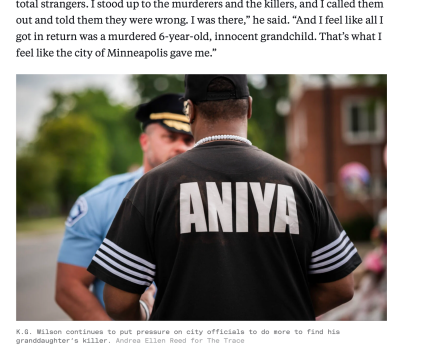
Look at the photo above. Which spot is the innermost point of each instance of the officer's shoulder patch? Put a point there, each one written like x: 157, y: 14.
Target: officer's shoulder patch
x: 77, y: 212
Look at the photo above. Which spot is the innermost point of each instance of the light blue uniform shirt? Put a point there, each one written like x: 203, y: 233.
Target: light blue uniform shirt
x: 89, y: 221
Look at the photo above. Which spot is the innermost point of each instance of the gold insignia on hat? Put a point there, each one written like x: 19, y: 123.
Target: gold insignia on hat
x: 178, y: 125
x: 169, y: 115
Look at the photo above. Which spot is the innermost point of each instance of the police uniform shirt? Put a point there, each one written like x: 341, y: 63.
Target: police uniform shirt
x: 89, y: 221
x: 230, y: 233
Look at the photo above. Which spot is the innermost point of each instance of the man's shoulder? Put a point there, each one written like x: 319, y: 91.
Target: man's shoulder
x: 280, y: 164
x: 293, y: 175
x: 160, y: 177
x: 111, y: 184
x: 166, y: 169
x: 102, y: 199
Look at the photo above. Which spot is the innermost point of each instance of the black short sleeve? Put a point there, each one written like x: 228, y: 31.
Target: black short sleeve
x: 125, y: 259
x: 334, y: 256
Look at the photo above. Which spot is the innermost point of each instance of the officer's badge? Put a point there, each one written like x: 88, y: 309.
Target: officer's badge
x: 78, y: 211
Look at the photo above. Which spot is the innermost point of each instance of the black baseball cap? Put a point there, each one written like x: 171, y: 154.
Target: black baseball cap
x: 196, y: 87
x: 167, y: 110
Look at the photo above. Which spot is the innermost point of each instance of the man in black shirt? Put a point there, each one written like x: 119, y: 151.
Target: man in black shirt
x: 228, y: 231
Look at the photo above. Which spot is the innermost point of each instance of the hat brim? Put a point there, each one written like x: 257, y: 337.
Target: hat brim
x: 173, y: 126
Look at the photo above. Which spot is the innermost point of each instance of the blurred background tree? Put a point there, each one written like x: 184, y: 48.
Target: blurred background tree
x: 35, y: 184
x: 80, y: 151
x: 380, y: 81
x: 266, y: 128
x: 116, y: 121
x: 82, y: 139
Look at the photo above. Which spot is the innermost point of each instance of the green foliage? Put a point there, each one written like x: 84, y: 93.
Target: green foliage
x: 123, y: 138
x: 79, y: 149
x: 120, y: 127
x: 379, y: 81
x: 61, y: 104
x: 150, y: 86
x: 35, y: 227
x: 35, y: 185
x: 81, y: 140
x: 266, y: 127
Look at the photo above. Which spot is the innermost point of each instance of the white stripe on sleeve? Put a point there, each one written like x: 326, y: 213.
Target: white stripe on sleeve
x: 330, y: 253
x: 334, y: 259
x: 329, y: 246
x: 128, y: 254
x: 337, y: 265
x: 119, y: 274
x: 125, y: 269
x: 126, y: 261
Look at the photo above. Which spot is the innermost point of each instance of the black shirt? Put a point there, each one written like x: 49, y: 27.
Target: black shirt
x: 230, y: 233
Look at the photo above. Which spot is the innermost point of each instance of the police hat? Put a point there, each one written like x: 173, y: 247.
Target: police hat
x: 166, y: 110
x: 196, y: 87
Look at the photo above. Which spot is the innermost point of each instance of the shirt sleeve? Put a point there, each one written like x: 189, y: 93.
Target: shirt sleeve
x: 82, y: 237
x: 334, y: 256
x: 125, y: 259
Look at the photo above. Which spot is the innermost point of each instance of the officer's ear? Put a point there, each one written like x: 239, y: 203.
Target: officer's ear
x: 143, y: 141
x: 144, y: 137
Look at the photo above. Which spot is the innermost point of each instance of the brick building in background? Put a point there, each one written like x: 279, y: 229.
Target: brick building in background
x: 332, y: 122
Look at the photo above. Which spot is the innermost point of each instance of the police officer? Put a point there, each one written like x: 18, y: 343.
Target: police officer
x: 166, y: 134
x: 228, y: 231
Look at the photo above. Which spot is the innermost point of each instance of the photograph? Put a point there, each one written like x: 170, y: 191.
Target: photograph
x: 201, y: 197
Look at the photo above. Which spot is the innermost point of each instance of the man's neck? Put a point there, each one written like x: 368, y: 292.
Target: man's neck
x: 221, y: 128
